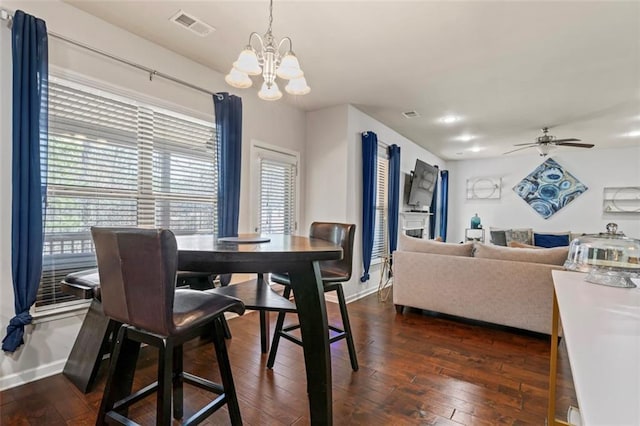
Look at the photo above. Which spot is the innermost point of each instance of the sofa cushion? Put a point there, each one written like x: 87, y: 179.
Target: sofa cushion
x: 551, y: 239
x: 406, y: 243
x: 550, y: 256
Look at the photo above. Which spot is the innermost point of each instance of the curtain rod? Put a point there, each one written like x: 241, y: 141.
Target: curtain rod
x: 6, y: 15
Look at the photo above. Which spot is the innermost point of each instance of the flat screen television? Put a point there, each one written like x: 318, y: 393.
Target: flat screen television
x: 423, y: 183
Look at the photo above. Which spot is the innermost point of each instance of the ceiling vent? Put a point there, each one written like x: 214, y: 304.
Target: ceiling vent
x: 192, y: 23
x: 410, y: 114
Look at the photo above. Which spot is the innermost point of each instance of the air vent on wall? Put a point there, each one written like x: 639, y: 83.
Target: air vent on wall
x: 410, y: 114
x: 192, y: 23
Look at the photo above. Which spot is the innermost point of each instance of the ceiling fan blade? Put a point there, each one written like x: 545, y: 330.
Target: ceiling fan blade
x: 566, y: 140
x: 576, y: 145
x: 518, y: 149
x: 523, y: 144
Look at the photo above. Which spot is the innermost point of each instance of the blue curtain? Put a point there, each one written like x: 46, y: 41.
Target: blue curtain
x: 393, y: 202
x: 228, y: 110
x: 444, y: 203
x: 30, y: 75
x: 369, y: 165
x: 432, y: 210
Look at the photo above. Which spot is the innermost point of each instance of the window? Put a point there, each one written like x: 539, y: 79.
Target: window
x: 277, y: 191
x: 113, y: 161
x: 380, y: 233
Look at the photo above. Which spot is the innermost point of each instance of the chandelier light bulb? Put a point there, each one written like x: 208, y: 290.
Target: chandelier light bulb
x: 238, y: 79
x: 248, y: 62
x: 289, y: 67
x: 298, y: 86
x: 272, y: 93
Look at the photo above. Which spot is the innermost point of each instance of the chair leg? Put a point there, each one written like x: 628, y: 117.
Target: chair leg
x: 178, y: 383
x: 227, y: 330
x: 226, y: 374
x: 165, y: 385
x: 91, y: 344
x: 264, y: 331
x: 122, y: 366
x: 347, y: 328
x: 277, y: 331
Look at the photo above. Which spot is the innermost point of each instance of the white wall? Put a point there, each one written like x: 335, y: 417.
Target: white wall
x: 595, y: 168
x: 276, y: 123
x: 334, y: 175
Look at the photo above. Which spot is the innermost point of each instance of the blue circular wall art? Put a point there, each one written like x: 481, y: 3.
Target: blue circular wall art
x: 549, y: 188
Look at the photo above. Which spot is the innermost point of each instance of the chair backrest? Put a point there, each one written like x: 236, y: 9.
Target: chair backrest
x: 137, y: 270
x: 342, y: 234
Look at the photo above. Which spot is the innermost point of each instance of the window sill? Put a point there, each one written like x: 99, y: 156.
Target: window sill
x: 60, y: 312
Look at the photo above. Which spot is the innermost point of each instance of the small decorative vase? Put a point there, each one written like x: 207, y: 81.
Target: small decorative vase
x: 475, y: 222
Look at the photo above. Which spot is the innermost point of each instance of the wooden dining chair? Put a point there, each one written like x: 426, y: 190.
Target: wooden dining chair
x: 333, y: 273
x: 137, y: 269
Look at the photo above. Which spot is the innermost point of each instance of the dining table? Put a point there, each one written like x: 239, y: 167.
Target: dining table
x: 298, y: 256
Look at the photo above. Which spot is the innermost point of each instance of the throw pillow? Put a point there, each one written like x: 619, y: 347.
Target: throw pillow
x: 498, y: 237
x: 406, y: 243
x: 550, y: 256
x: 524, y: 235
x: 551, y: 240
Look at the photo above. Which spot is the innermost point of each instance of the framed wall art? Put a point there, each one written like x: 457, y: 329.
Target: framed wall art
x: 484, y: 188
x: 549, y: 188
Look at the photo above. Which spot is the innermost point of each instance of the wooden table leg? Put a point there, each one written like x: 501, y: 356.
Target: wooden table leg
x: 312, y: 314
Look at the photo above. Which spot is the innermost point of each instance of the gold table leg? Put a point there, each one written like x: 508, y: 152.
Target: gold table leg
x: 553, y: 366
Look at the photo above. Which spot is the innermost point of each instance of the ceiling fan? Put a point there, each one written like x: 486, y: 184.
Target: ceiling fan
x: 545, y: 142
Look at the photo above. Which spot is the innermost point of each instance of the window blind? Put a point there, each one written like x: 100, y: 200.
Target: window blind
x: 278, y: 195
x: 113, y: 161
x: 380, y: 233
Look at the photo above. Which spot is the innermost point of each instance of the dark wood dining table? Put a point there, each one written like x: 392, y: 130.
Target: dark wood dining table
x: 299, y: 257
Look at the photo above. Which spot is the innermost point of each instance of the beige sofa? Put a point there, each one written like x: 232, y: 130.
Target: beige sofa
x: 500, y: 285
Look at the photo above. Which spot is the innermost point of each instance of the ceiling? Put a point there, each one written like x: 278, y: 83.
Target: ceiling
x: 505, y: 69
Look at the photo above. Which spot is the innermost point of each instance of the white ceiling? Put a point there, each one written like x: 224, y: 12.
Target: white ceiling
x: 506, y: 68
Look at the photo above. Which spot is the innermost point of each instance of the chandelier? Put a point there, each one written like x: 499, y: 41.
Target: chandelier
x: 268, y: 59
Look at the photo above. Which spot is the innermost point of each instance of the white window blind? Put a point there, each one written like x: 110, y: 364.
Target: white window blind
x: 112, y: 161
x: 278, y: 176
x: 380, y: 232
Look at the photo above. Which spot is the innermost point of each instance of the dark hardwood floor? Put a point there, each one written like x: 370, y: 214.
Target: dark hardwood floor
x: 415, y: 369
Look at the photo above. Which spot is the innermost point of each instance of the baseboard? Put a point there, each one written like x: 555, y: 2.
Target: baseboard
x: 331, y: 297
x: 32, y: 374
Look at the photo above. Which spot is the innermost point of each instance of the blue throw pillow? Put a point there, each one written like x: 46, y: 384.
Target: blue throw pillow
x: 550, y: 240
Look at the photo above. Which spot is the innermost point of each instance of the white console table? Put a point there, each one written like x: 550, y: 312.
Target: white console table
x: 601, y: 327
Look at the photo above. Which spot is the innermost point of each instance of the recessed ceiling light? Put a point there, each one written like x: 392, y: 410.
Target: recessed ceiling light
x: 449, y: 119
x: 633, y: 134
x: 476, y: 149
x: 465, y: 138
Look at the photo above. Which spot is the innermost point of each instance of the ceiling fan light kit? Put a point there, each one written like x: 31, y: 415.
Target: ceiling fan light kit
x: 545, y: 143
x: 269, y: 59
